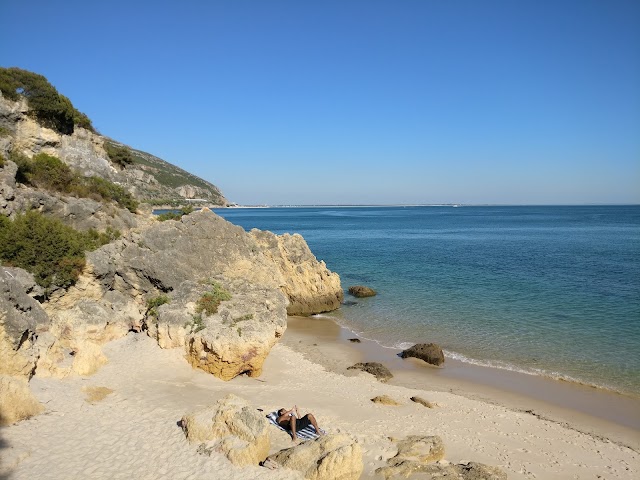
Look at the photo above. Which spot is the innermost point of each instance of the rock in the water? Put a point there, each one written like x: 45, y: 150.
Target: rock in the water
x: 361, y: 291
x: 329, y: 457
x: 381, y: 372
x: 354, y: 340
x: 385, y: 400
x: 422, y: 401
x: 429, y: 352
x: 230, y: 427
x: 16, y: 400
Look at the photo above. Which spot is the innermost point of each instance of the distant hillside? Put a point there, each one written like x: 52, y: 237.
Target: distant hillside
x: 35, y: 118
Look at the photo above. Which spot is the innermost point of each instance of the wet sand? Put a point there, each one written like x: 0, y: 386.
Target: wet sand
x: 586, y: 409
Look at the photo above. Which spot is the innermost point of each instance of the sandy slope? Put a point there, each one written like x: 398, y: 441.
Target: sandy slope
x: 133, y: 432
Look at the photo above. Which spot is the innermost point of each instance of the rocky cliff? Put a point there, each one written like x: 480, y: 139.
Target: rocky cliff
x: 158, y: 278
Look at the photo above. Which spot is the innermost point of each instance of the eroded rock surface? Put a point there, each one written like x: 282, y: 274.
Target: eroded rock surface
x: 329, y: 457
x: 232, y: 428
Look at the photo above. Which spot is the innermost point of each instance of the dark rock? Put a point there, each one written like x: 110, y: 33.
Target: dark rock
x: 361, y: 291
x: 429, y: 352
x: 381, y: 372
x: 354, y: 340
x: 349, y: 303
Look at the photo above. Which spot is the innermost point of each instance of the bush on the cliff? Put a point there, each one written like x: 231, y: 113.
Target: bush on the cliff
x: 118, y: 155
x: 175, y: 215
x: 154, y: 303
x: 49, y: 172
x: 50, y: 109
x: 53, y: 252
x: 211, y: 300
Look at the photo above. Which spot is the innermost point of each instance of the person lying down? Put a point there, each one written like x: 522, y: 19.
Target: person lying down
x: 291, y: 421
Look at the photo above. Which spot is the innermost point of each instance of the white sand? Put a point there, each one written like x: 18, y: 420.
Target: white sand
x: 133, y: 432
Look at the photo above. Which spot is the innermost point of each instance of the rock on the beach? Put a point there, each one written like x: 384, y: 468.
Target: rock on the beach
x: 329, y: 457
x: 231, y: 427
x: 385, y: 400
x: 381, y: 372
x: 423, y: 402
x: 360, y: 291
x: 16, y: 400
x: 429, y: 352
x: 436, y: 471
x: 419, y: 448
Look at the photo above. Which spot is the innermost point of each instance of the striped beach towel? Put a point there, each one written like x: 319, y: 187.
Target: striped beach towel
x: 307, y: 433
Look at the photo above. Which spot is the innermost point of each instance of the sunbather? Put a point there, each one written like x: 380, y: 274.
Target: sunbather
x: 291, y: 420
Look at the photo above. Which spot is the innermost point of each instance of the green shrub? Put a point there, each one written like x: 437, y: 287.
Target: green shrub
x: 51, y: 109
x: 154, y: 303
x: 175, y: 215
x: 211, y: 300
x: 49, y: 172
x: 53, y: 252
x: 118, y: 155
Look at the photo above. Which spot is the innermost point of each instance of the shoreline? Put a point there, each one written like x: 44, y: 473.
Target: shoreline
x: 597, y: 412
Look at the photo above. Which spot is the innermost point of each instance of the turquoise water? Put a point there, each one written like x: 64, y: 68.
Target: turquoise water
x: 544, y: 290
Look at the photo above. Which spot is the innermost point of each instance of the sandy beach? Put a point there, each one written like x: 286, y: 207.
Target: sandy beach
x: 122, y: 422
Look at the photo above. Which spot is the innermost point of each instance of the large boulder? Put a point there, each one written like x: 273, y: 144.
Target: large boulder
x: 16, y: 400
x: 429, y: 352
x: 381, y: 372
x: 329, y: 457
x: 232, y: 428
x: 360, y: 291
x: 419, y: 448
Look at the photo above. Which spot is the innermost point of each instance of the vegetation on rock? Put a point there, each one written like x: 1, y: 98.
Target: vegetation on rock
x: 211, y: 300
x: 50, y: 108
x: 53, y: 252
x: 119, y: 155
x: 175, y: 215
x: 50, y: 173
x: 154, y: 303
x: 1, y: 161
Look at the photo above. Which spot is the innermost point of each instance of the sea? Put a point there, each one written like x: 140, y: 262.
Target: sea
x: 545, y: 290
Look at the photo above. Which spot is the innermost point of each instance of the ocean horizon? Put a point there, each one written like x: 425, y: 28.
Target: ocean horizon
x: 545, y: 290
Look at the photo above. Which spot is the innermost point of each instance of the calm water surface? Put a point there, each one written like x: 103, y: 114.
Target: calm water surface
x: 545, y: 290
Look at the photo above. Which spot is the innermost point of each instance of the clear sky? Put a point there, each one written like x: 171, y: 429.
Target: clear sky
x: 405, y: 101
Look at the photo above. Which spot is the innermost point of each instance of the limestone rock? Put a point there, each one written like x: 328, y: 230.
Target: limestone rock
x: 230, y: 427
x: 361, y: 291
x: 16, y: 400
x: 381, y: 372
x: 329, y: 457
x: 308, y: 283
x: 419, y: 448
x: 21, y: 320
x: 385, y: 400
x: 429, y: 352
x: 422, y: 401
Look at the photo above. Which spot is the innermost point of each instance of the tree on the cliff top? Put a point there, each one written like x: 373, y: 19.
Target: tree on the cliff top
x: 50, y: 109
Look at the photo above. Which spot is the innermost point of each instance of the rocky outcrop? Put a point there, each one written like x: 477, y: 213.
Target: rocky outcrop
x: 16, y: 400
x: 381, y: 372
x: 360, y: 291
x: 21, y: 320
x: 429, y: 352
x: 330, y: 457
x: 419, y: 448
x: 232, y: 428
x: 308, y: 283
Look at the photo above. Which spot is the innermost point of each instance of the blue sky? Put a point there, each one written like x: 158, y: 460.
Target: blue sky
x: 414, y: 101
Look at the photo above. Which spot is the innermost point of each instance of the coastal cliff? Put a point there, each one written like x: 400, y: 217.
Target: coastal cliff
x: 155, y: 278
